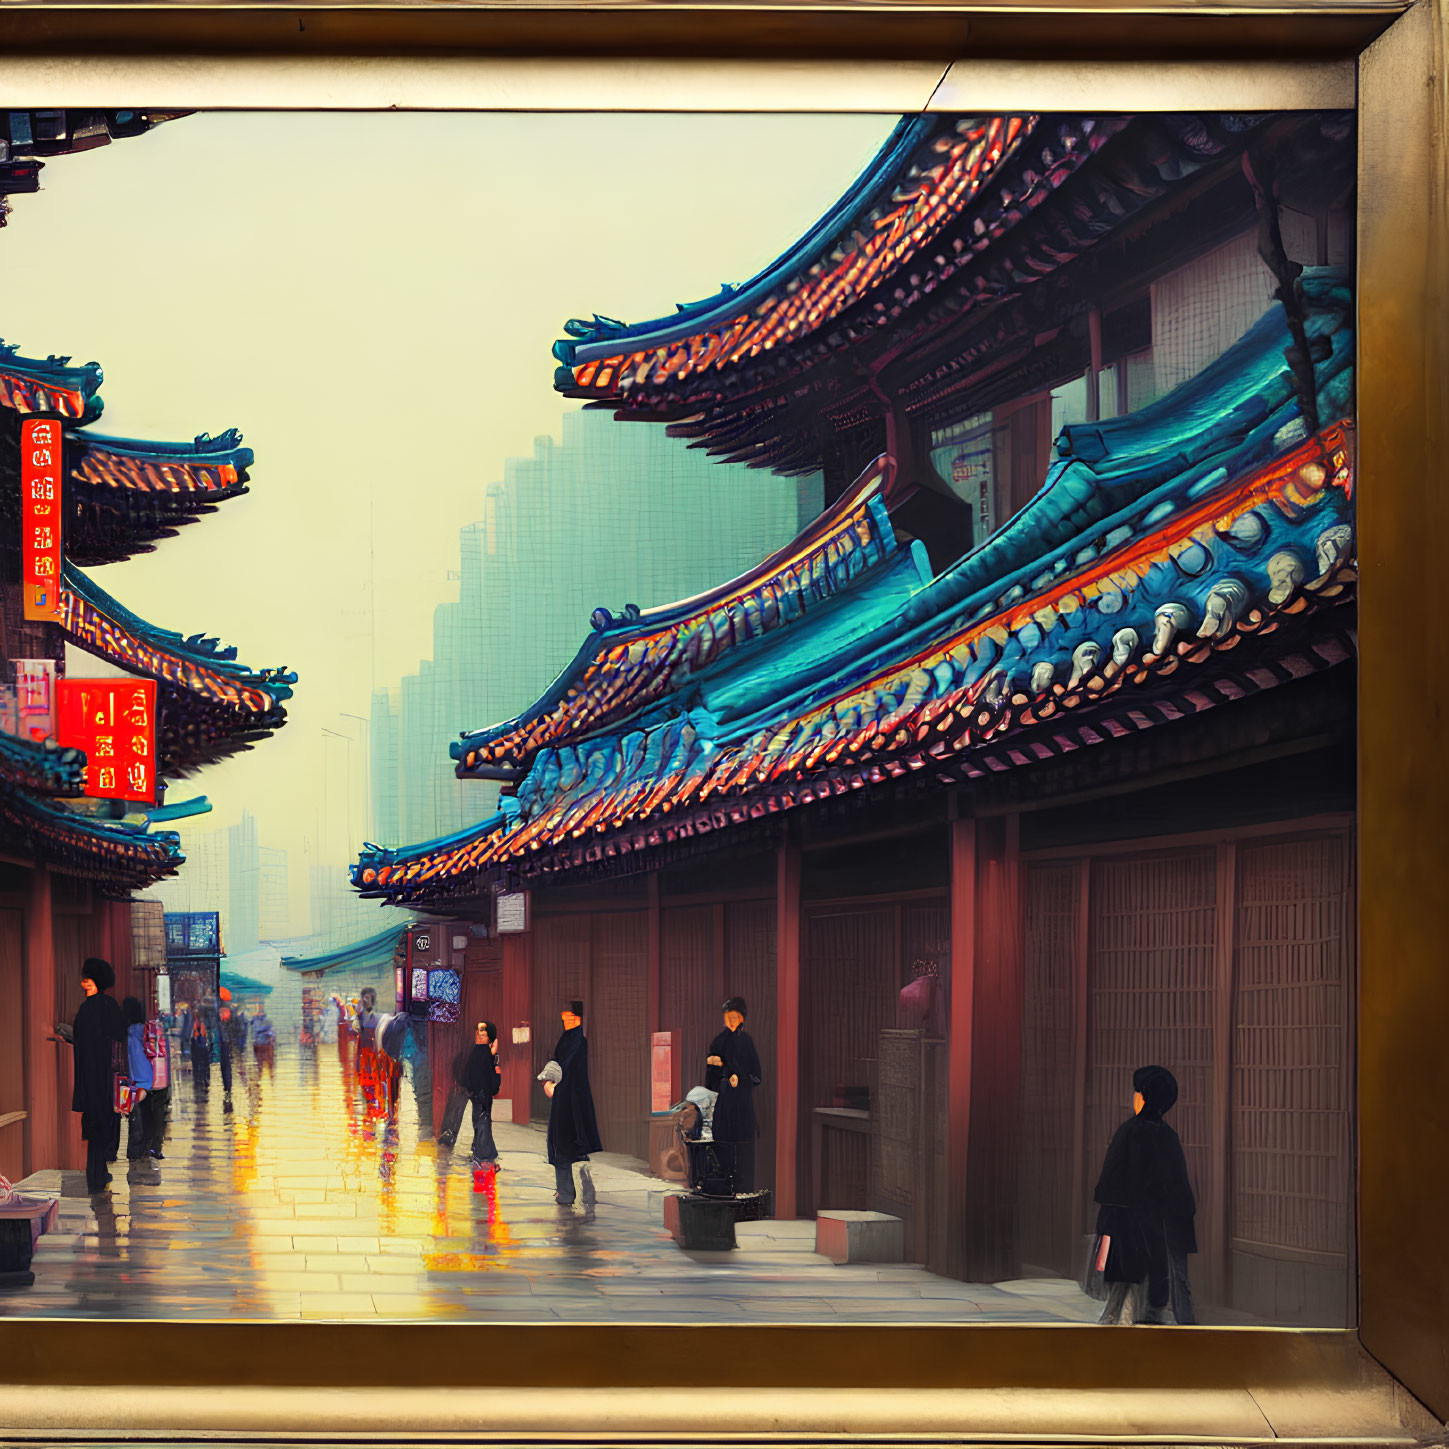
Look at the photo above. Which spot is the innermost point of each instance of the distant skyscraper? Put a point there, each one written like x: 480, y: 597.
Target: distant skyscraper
x: 612, y: 515
x: 244, y: 880
x: 275, y: 905
x: 204, y: 881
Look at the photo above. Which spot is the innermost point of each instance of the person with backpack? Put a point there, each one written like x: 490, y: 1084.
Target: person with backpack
x: 143, y: 1080
x: 158, y: 1050
x: 264, y: 1038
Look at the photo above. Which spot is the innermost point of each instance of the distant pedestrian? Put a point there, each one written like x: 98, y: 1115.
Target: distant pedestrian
x: 1145, y: 1222
x: 484, y: 1083
x: 573, y: 1131
x: 264, y: 1039
x: 199, y: 1046
x: 158, y: 1050
x: 143, y: 1079
x: 733, y: 1070
x: 98, y: 1044
x: 236, y: 1036
x: 392, y: 1033
x: 366, y: 1019
x: 221, y: 1044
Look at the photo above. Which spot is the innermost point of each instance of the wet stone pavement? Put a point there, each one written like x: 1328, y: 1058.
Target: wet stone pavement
x: 295, y: 1205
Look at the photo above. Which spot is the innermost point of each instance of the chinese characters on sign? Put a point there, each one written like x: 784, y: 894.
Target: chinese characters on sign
x: 35, y: 698
x: 512, y: 912
x: 114, y: 722
x: 41, y: 499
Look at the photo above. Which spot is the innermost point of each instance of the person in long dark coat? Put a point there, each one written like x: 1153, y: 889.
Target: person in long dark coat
x: 573, y: 1130
x: 732, y: 1069
x: 1147, y: 1209
x: 98, y: 1031
x: 484, y: 1082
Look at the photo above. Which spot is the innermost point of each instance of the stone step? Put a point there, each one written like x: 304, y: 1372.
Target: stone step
x: 846, y: 1236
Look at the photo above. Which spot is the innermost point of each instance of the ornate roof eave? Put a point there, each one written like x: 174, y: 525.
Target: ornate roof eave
x: 633, y: 662
x: 873, y: 273
x: 1034, y: 237
x: 211, y: 706
x: 40, y: 766
x: 52, y: 385
x: 124, y: 495
x: 1241, y: 643
x: 206, y: 467
x: 1159, y: 570
x: 120, y: 856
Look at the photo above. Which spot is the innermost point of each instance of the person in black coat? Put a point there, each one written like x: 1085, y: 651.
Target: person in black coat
x: 732, y: 1069
x: 573, y: 1131
x: 484, y: 1082
x: 1147, y: 1209
x: 98, y: 1036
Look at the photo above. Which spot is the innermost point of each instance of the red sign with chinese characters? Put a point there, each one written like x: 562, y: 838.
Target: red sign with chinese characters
x: 114, y: 722
x: 42, y: 492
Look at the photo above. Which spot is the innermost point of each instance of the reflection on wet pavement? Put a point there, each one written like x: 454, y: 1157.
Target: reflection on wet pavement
x: 296, y: 1205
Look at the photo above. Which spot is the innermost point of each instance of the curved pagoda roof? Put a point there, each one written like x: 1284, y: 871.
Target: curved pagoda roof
x: 646, y: 657
x: 210, y: 706
x: 122, y: 494
x: 954, y: 217
x: 118, y: 856
x: 1192, y: 553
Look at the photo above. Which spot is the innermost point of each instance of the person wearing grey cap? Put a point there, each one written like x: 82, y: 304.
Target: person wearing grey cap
x: 573, y: 1131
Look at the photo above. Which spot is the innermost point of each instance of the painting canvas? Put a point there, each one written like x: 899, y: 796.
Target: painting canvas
x: 830, y: 802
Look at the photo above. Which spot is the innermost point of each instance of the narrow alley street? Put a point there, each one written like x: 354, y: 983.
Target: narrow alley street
x: 294, y: 1205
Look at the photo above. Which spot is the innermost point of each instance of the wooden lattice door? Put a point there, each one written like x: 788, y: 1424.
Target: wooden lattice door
x: 1046, y: 1167
x: 1151, y: 999
x: 1292, y: 1080
x: 750, y: 971
x: 560, y: 973
x: 689, y: 997
x: 849, y: 973
x: 618, y: 1030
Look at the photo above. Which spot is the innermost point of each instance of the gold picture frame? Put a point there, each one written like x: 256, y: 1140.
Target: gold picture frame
x: 77, y: 1381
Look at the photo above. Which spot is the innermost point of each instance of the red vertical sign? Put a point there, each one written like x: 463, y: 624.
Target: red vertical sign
x: 114, y: 722
x: 663, y: 1070
x: 42, y: 493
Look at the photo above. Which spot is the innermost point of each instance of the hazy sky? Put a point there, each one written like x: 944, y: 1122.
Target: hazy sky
x: 371, y: 299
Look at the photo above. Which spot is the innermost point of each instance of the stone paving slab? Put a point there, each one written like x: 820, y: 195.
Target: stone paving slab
x: 294, y: 1205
